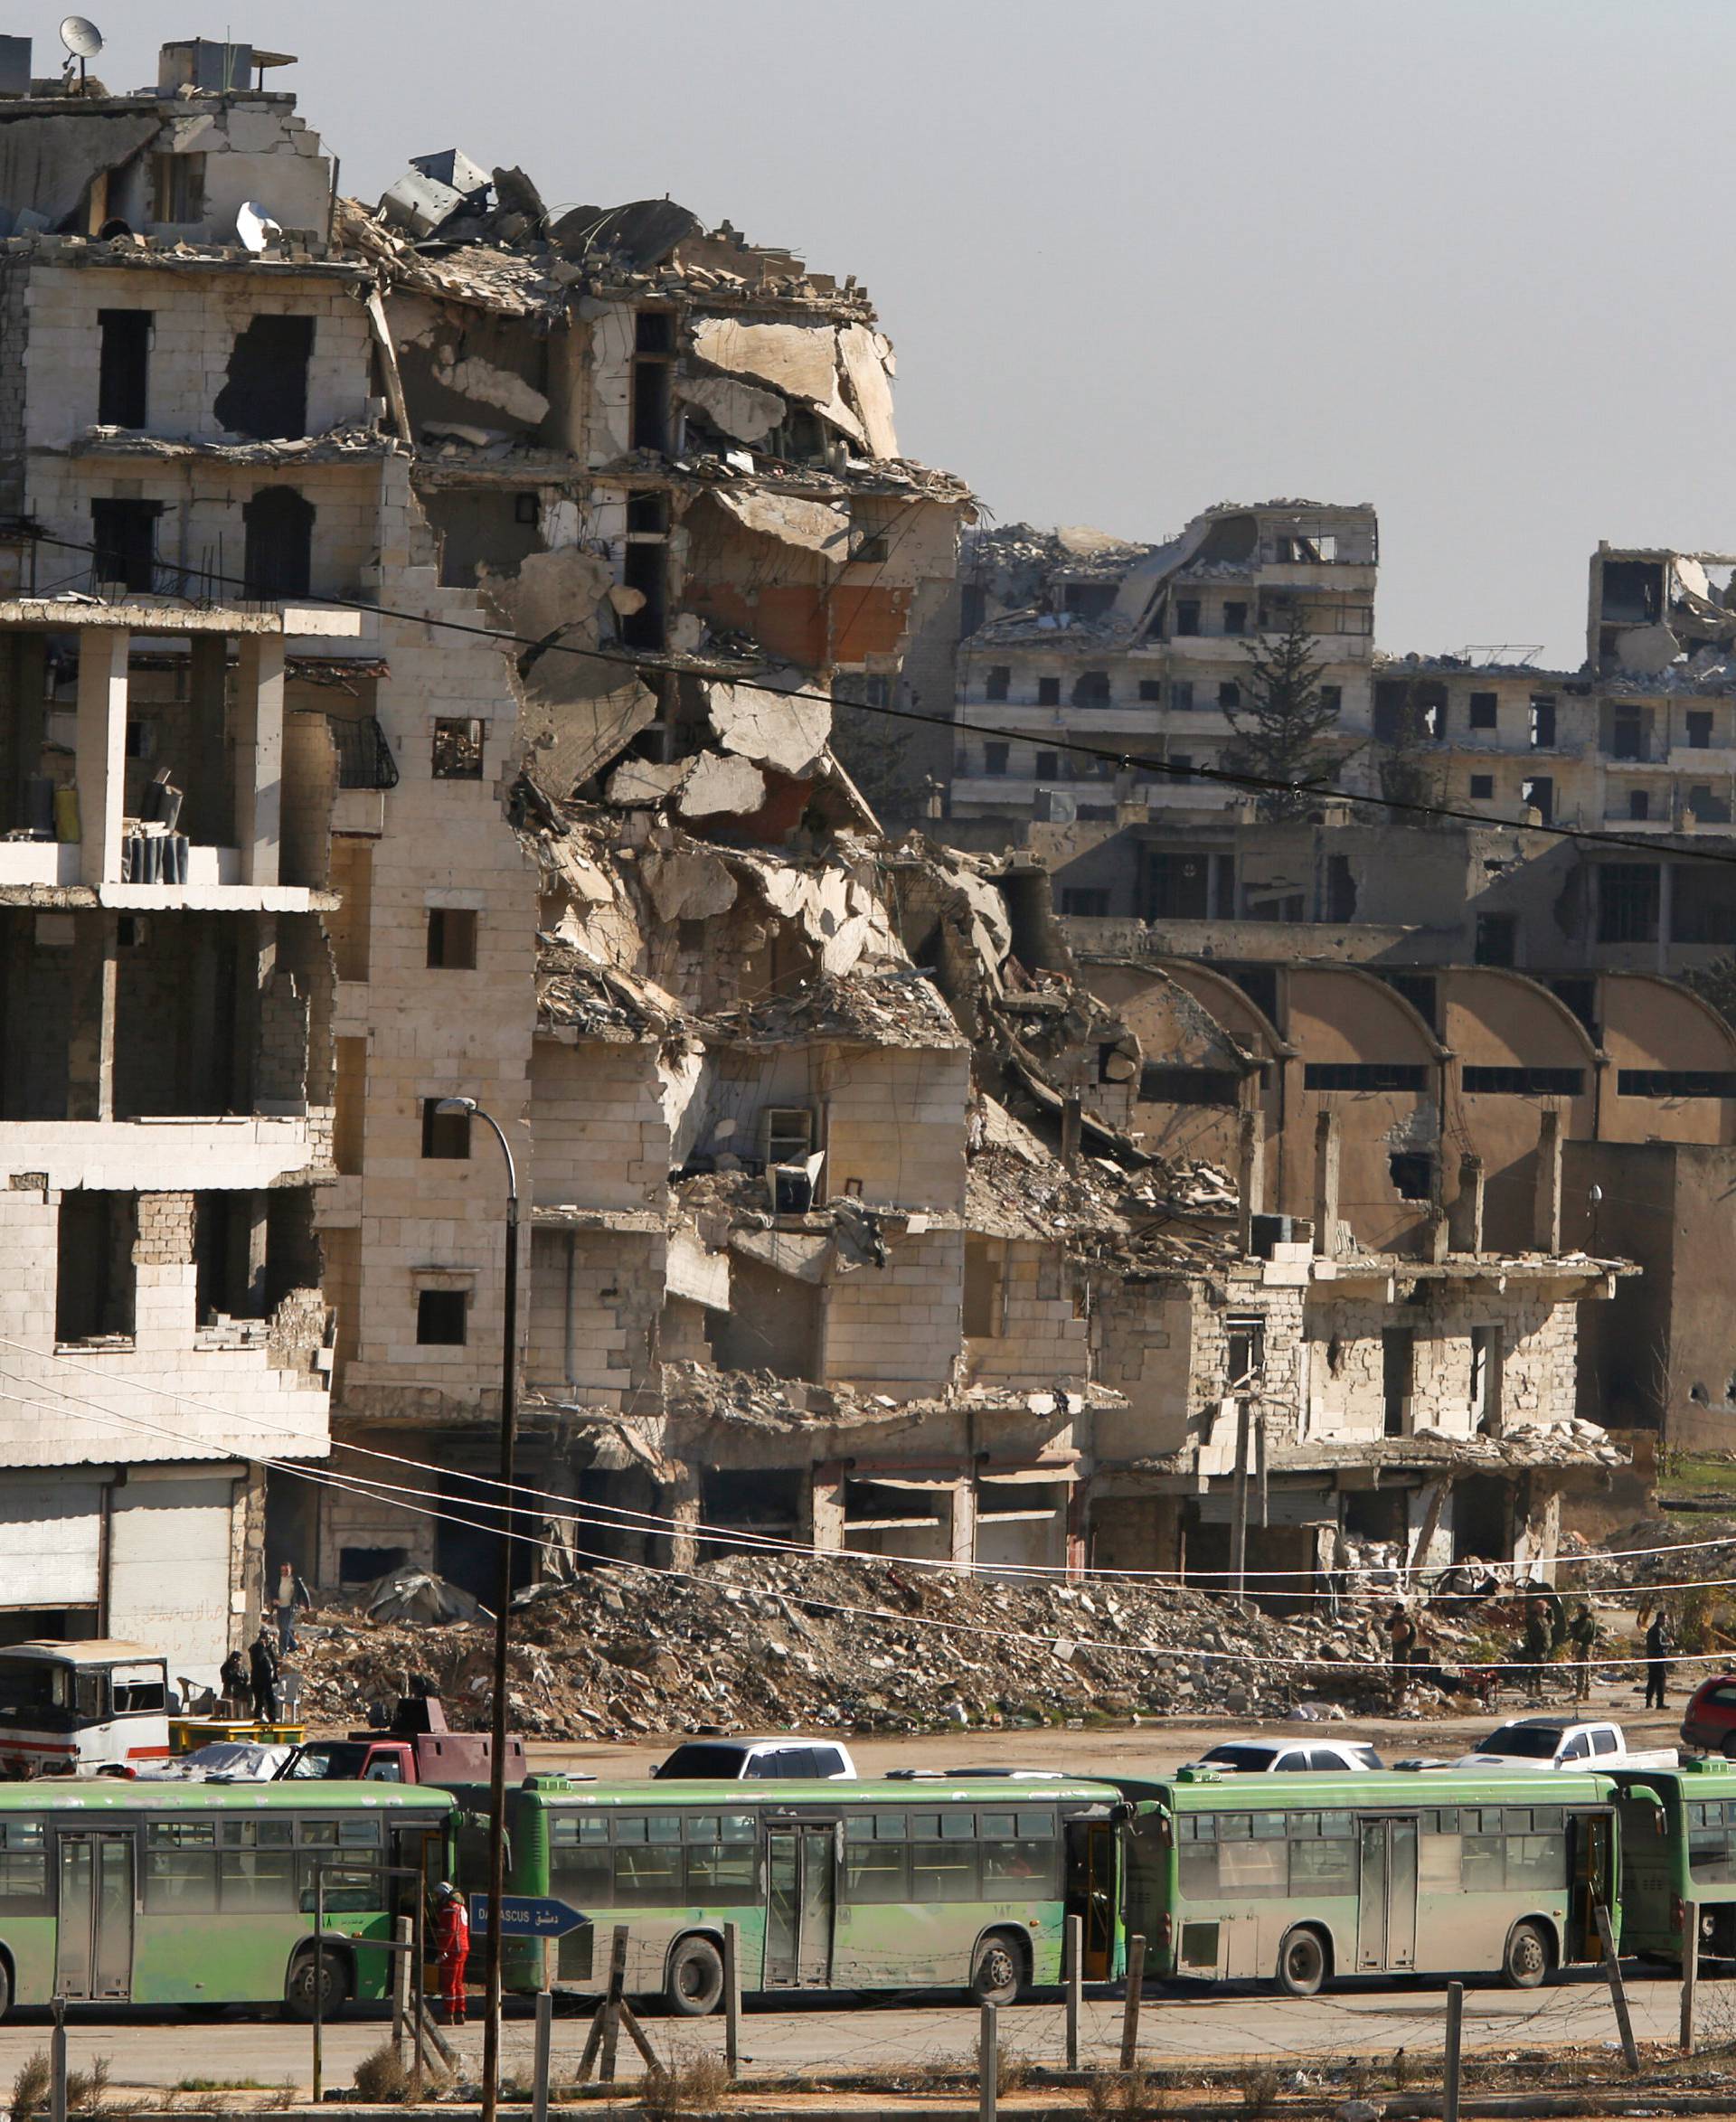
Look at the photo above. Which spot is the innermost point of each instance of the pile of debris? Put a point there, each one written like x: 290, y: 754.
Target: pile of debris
x: 756, y: 1642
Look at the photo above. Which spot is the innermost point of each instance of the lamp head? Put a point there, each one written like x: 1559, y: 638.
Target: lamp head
x: 449, y: 1106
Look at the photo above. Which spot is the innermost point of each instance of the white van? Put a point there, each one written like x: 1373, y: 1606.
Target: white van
x: 70, y: 1709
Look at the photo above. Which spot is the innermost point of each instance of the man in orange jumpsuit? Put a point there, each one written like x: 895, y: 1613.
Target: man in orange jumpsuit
x: 452, y: 1947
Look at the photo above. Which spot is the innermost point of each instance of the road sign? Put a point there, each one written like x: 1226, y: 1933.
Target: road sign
x: 524, y: 1915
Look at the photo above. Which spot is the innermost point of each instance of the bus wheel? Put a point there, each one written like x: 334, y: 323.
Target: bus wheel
x: 6, y: 1988
x: 298, y: 1990
x: 694, y: 1982
x: 1526, y: 1960
x: 995, y: 1970
x: 1301, y: 1962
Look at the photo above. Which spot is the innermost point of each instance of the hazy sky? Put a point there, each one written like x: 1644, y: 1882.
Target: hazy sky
x: 1469, y: 262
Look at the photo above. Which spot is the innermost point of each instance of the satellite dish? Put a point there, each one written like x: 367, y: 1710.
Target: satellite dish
x: 81, y: 36
x: 255, y: 226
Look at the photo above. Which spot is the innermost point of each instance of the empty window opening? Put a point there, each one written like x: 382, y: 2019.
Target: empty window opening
x: 1398, y: 1372
x: 1486, y: 1351
x: 451, y: 940
x: 123, y: 534
x: 654, y: 345
x: 1151, y: 690
x: 1639, y: 803
x: 644, y: 569
x: 1341, y: 889
x: 1364, y: 1076
x: 1292, y: 549
x: 458, y: 749
x: 1048, y: 765
x: 1498, y: 939
x: 1482, y: 787
x: 871, y: 548
x: 177, y: 189
x: 229, y: 1246
x: 266, y: 393
x: 1084, y: 903
x: 1705, y: 809
x: 1539, y: 794
x: 1229, y: 694
x: 95, y: 1278
x: 1187, y: 614
x: 1699, y: 729
x: 999, y: 683
x: 1675, y: 1083
x: 1421, y: 990
x: 1091, y: 689
x: 1628, y: 902
x: 362, y: 1565
x: 983, y: 1274
x: 1048, y: 691
x: 1177, y: 887
x: 1628, y: 734
x: 123, y: 367
x: 1181, y: 694
x: 1413, y: 1173
x: 279, y: 555
x: 995, y: 757
x: 1484, y: 710
x: 1245, y: 1353
x: 1332, y: 698
x: 1522, y: 1083
x: 441, y: 1317
x: 1235, y: 618
x: 648, y: 512
x: 1089, y: 600
x: 444, y: 1135
x: 1543, y: 722
x: 1633, y: 591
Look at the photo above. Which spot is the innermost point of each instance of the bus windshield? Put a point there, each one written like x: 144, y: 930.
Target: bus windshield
x: 35, y: 1689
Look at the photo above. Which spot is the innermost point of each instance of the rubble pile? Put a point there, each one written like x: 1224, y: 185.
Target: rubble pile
x: 754, y: 1642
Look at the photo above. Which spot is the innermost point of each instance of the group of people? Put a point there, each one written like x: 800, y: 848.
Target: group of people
x: 251, y: 1681
x: 1549, y: 1629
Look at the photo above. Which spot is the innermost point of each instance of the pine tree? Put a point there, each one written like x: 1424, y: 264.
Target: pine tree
x: 1282, y: 722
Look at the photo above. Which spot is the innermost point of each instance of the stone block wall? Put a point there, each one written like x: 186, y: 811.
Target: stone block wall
x: 895, y: 1120
x: 602, y: 1140
x: 1040, y: 1330
x: 900, y: 1324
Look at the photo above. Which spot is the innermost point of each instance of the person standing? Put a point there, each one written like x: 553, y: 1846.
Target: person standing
x: 263, y: 1668
x: 1582, y: 1633
x: 1534, y: 1650
x: 1657, y: 1670
x: 291, y: 1593
x: 237, y: 1690
x: 452, y: 1947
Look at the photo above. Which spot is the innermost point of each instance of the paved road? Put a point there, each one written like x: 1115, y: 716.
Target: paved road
x: 162, y: 2049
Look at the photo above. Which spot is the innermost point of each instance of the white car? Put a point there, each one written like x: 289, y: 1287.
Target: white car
x: 1268, y: 1757
x: 734, y: 1760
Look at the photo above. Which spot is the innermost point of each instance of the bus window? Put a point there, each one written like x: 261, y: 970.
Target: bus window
x: 257, y: 1881
x: 943, y: 1862
x: 1537, y: 1860
x: 648, y: 1865
x: 35, y: 1691
x: 181, y: 1868
x: 1482, y: 1866
x: 1321, y: 1866
x: 1252, y: 1869
x: 876, y: 1869
x: 23, y: 1868
x: 579, y: 1869
x: 1196, y: 1854
x: 717, y: 1870
x: 138, y: 1688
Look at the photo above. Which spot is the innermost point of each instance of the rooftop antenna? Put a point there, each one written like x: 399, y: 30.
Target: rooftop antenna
x: 83, y: 41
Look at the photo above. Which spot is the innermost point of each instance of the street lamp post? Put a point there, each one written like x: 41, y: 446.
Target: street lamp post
x: 502, y: 1603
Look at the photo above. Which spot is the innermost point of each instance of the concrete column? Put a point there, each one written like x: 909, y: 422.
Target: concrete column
x: 90, y: 1044
x: 1546, y: 1234
x: 1467, y: 1209
x: 681, y: 1503
x: 825, y: 1510
x: 101, y: 750
x: 964, y: 1523
x: 1328, y: 1147
x: 1251, y: 1177
x: 259, y: 756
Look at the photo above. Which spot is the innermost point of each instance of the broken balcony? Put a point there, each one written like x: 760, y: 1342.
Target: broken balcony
x: 145, y: 790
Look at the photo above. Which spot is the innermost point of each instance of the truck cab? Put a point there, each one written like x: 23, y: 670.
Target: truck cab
x: 418, y: 1746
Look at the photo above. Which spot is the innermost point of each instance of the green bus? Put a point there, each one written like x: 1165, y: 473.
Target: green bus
x: 904, y: 1883
x: 1299, y: 1878
x: 202, y: 1894
x: 1678, y: 1844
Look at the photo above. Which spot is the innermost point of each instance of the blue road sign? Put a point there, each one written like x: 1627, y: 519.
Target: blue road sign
x: 524, y: 1915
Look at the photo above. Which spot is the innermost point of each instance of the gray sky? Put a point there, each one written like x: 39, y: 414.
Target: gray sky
x: 1469, y: 263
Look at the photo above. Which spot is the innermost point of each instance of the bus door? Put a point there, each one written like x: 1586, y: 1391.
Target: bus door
x: 93, y: 1955
x: 1589, y: 1854
x: 1090, y: 1894
x: 1386, y: 1917
x: 801, y: 1869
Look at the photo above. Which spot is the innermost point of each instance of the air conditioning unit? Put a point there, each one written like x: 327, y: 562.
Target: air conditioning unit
x: 785, y: 1135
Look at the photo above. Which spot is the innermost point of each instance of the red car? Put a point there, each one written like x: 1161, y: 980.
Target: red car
x: 1709, y: 1721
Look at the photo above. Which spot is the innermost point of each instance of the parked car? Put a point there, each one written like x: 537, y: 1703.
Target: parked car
x: 224, y: 1760
x: 1266, y: 1757
x: 733, y: 1760
x: 1563, y: 1742
x: 1709, y: 1721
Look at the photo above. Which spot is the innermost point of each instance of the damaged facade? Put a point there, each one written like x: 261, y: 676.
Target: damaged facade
x: 424, y: 626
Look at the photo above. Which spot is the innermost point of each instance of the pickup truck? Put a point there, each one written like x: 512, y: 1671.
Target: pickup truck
x: 417, y: 1746
x: 1563, y: 1742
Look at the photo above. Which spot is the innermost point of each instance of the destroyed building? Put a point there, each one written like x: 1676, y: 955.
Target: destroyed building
x: 425, y: 621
